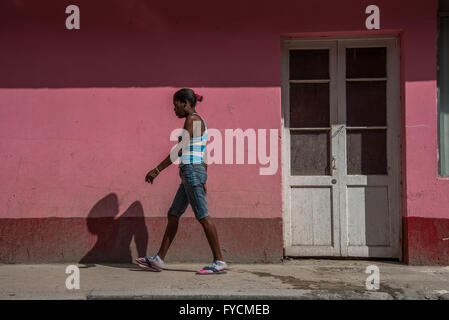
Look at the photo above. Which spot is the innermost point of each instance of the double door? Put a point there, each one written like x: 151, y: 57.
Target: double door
x: 341, y: 148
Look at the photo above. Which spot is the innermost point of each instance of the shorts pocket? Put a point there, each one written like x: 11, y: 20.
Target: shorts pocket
x: 193, y: 177
x: 203, y: 178
x: 201, y: 173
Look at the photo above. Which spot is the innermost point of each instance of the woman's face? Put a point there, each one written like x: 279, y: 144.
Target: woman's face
x: 179, y: 109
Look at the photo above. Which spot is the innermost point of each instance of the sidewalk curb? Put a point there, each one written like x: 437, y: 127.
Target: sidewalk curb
x: 303, y: 295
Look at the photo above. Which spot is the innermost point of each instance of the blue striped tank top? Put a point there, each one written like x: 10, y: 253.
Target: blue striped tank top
x: 195, y: 151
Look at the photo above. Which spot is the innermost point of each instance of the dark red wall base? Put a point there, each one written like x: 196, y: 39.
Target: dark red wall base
x: 424, y: 244
x: 121, y: 240
x: 247, y: 240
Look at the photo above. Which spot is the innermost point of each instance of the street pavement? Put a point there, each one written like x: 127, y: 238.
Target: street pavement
x: 299, y: 279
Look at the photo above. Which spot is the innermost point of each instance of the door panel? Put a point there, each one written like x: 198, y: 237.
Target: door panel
x: 309, y: 64
x: 366, y: 103
x: 368, y: 216
x: 309, y: 105
x: 312, y: 225
x: 310, y: 153
x: 366, y: 152
x: 368, y: 62
x: 369, y: 106
x: 312, y: 216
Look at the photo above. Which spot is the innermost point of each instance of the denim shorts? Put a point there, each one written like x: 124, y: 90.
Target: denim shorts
x: 191, y: 190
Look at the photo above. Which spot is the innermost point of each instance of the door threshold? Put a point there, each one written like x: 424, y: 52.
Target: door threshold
x: 342, y: 258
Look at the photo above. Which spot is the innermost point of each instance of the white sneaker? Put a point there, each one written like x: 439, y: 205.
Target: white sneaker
x: 154, y: 263
x: 217, y: 267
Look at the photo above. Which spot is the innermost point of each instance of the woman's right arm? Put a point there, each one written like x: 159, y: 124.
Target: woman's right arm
x: 188, y: 125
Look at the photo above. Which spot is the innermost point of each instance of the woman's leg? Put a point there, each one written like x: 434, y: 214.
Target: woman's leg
x: 194, y: 179
x: 212, y: 237
x: 178, y: 207
x: 170, y: 233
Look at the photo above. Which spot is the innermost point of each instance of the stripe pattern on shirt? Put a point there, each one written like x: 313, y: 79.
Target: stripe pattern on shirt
x: 195, y: 150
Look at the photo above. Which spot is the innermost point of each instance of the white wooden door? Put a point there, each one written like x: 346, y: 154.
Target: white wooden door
x: 341, y: 151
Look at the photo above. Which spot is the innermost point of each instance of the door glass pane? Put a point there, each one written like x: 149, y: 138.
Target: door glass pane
x: 309, y: 105
x: 366, y: 103
x: 366, y: 62
x: 367, y: 151
x: 310, y: 153
x: 309, y: 64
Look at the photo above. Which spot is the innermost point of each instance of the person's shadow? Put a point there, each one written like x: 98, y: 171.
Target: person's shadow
x: 114, y: 234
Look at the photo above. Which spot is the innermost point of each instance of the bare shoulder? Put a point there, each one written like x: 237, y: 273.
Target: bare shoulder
x: 191, y: 119
x: 195, y: 116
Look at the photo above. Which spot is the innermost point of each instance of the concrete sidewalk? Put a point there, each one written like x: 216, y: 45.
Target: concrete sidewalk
x: 291, y: 279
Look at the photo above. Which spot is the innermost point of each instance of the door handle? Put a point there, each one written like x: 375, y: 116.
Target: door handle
x: 333, y: 163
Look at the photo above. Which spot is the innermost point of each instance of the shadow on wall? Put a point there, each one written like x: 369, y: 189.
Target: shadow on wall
x: 114, y: 234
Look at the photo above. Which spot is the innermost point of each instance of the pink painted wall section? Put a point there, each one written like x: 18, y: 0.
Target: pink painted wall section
x: 427, y: 194
x: 64, y: 149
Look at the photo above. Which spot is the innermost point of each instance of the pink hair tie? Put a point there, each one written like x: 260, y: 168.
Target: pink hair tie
x: 198, y: 97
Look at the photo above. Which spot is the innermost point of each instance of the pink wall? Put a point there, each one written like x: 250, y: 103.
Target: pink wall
x: 63, y: 149
x: 88, y: 112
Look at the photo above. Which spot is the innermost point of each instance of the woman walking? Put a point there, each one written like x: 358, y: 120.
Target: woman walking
x: 192, y: 190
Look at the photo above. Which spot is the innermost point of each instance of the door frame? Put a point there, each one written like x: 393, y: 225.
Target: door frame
x: 393, y: 96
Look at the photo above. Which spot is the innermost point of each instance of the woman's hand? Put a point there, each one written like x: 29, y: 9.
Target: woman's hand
x: 151, y: 175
